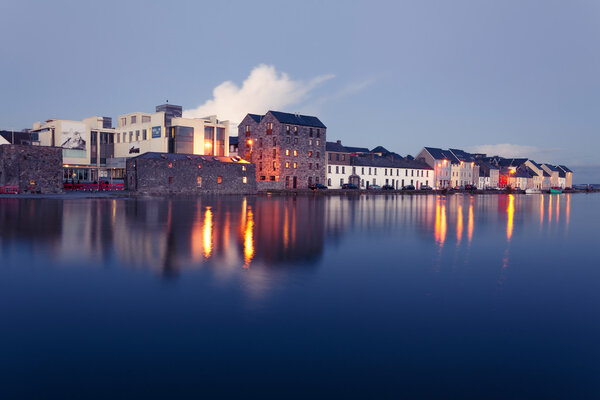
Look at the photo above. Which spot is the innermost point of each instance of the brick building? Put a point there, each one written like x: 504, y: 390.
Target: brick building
x: 288, y: 149
x: 171, y: 173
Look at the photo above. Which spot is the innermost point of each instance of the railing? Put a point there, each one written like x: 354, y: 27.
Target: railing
x: 93, y: 187
x: 10, y: 189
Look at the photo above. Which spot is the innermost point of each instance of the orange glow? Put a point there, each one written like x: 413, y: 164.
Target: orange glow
x: 568, y: 210
x: 470, y: 223
x: 196, y: 236
x: 249, y: 239
x: 207, y: 144
x: 511, y: 213
x: 459, y: 225
x: 286, y: 228
x: 549, y: 208
x: 250, y: 142
x: 208, y: 243
x: 541, y: 210
x: 557, y: 208
x: 512, y: 171
x: 472, y: 164
x: 440, y: 223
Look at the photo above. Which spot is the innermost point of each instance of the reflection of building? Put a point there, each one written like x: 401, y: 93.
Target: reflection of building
x: 288, y: 149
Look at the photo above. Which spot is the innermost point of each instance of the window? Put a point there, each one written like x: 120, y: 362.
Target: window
x: 260, y: 166
x: 310, y: 153
x: 375, y: 171
x: 260, y: 155
x: 318, y: 154
x: 295, y: 140
x: 269, y: 128
x: 397, y: 172
x: 341, y: 181
x: 362, y: 182
x: 247, y: 128
x: 170, y: 180
x: 310, y: 134
x: 329, y: 169
x: 244, y: 180
x: 343, y: 170
x: 199, y: 166
x: 287, y: 164
x: 309, y: 180
x: 243, y: 167
x: 118, y: 138
x: 199, y: 181
x: 145, y: 119
x: 131, y: 136
x: 144, y: 134
x: 337, y: 157
x: 309, y: 165
x: 374, y: 181
x: 405, y: 173
x: 274, y: 141
x: 259, y: 142
x: 337, y: 169
x: 123, y: 121
x: 274, y: 165
x: 363, y: 171
x: 133, y: 119
x: 287, y: 182
x: 295, y: 153
x: 274, y: 153
x: 170, y: 165
x: 318, y: 132
x: 219, y: 179
x: 385, y: 171
x: 354, y: 170
x: 317, y: 166
x: 137, y: 136
x: 262, y: 178
x: 328, y: 181
x: 124, y: 136
x: 412, y: 172
x: 287, y: 129
x: 318, y: 142
x: 287, y: 152
x: 369, y: 171
x: 296, y: 130
x: 287, y: 139
x: 310, y: 142
x: 295, y: 165
x: 343, y: 157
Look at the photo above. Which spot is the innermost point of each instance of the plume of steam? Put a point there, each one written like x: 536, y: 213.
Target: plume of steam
x: 264, y: 89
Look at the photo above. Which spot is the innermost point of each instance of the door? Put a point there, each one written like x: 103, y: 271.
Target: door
x: 295, y: 182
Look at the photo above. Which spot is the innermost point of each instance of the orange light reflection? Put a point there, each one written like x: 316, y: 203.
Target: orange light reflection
x: 459, y: 225
x: 511, y: 214
x: 249, y: 239
x: 208, y: 232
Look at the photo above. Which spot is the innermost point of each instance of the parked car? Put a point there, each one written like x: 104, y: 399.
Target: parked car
x: 408, y: 187
x: 349, y: 186
x: 374, y: 187
x: 426, y: 187
x: 470, y: 187
x: 318, y: 186
x: 387, y: 187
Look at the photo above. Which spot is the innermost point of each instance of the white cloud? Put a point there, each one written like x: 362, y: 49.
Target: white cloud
x: 509, y: 150
x: 264, y: 89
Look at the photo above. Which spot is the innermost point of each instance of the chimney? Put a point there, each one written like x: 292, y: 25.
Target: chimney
x: 339, y: 142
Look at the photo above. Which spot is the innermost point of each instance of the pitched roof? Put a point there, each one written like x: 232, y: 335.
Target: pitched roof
x: 462, y: 155
x: 255, y: 117
x: 380, y: 149
x: 511, y: 162
x: 388, y: 162
x: 564, y: 168
x: 440, y: 154
x: 297, y: 119
x: 335, y: 147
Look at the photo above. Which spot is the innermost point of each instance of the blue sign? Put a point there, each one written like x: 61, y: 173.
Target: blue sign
x: 155, y: 131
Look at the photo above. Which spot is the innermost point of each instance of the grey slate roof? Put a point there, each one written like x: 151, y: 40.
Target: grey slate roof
x: 297, y: 119
x: 387, y: 162
x: 193, y: 157
x: 511, y: 162
x: 335, y: 147
x: 380, y: 149
x: 255, y: 117
x: 462, y: 155
x: 440, y: 154
x: 357, y: 149
x: 564, y: 168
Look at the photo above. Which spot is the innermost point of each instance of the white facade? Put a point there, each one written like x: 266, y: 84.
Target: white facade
x: 397, y: 177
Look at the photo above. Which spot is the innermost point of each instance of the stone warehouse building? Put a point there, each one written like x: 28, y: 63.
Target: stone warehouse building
x: 288, y: 149
x: 32, y: 169
x: 172, y: 173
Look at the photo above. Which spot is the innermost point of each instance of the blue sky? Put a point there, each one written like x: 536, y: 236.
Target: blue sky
x: 512, y: 77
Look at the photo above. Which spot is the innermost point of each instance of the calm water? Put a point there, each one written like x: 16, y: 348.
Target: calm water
x: 387, y: 296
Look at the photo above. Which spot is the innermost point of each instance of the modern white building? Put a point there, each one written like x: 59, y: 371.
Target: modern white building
x: 93, y: 149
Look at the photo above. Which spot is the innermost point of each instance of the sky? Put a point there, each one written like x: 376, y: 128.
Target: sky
x: 514, y: 78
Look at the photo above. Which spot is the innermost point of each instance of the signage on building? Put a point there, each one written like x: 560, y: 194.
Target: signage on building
x: 155, y: 131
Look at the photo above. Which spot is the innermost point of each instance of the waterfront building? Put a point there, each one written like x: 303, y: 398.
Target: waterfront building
x: 489, y: 175
x: 553, y: 171
x: 94, y: 150
x: 466, y: 172
x: 568, y: 175
x: 441, y: 161
x: 163, y: 173
x: 30, y: 169
x: 288, y: 149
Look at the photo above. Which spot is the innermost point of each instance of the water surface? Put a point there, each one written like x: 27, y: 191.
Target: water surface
x: 490, y: 296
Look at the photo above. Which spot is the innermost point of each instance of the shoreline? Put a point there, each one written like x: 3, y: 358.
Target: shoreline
x: 301, y: 192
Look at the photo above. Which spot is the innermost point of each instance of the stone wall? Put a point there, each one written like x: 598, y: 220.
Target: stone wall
x: 188, y: 174
x: 34, y: 169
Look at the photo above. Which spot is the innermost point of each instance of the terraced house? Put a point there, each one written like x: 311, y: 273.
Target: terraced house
x: 288, y: 149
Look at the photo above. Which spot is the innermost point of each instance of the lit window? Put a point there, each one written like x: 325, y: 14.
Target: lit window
x: 199, y: 166
x: 310, y: 153
x: 287, y: 152
x: 287, y: 164
x: 199, y: 181
x: 245, y: 180
x: 170, y: 165
x: 295, y: 165
x: 318, y: 142
x: 310, y: 141
x: 219, y: 179
x: 295, y: 153
x: 243, y: 167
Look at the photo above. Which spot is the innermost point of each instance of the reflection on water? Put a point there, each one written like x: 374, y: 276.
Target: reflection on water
x: 174, y: 234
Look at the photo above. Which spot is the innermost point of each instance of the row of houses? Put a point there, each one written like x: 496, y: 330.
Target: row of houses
x: 282, y: 150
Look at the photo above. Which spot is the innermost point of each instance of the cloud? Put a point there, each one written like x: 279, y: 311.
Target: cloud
x: 509, y: 150
x: 264, y: 89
